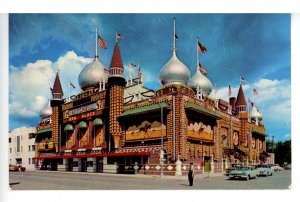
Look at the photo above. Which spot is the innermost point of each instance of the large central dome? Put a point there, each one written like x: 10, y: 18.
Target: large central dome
x: 92, y: 74
x: 174, y: 72
x: 200, y: 81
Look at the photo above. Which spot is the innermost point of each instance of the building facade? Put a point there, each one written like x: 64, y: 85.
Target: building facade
x: 22, y: 147
x: 119, y: 126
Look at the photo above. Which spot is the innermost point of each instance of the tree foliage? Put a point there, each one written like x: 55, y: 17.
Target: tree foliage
x: 282, y: 150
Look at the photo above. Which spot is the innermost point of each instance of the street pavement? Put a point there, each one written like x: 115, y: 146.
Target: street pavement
x: 52, y: 180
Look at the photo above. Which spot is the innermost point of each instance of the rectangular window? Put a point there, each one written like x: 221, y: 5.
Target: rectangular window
x: 29, y: 161
x: 10, y: 150
x: 29, y: 148
x: 33, y: 147
x: 18, y: 143
x: 9, y: 140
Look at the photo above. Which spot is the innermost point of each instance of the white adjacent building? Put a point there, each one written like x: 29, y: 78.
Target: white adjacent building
x: 22, y: 147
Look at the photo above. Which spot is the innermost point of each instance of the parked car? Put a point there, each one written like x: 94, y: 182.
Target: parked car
x: 276, y: 167
x: 264, y: 170
x: 16, y: 168
x: 244, y: 172
x: 288, y: 167
x: 234, y: 166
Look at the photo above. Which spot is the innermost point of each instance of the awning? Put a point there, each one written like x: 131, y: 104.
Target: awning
x: 93, y: 155
x: 44, y: 131
x: 261, y: 132
x: 69, y: 127
x: 202, y: 110
x: 144, y: 109
x: 82, y: 124
x: 98, y: 122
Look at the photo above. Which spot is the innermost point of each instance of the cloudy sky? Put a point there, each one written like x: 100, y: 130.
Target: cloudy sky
x: 255, y: 46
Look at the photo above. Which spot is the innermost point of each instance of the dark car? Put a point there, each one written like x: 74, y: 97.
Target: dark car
x: 16, y: 168
x: 234, y: 166
x: 288, y: 167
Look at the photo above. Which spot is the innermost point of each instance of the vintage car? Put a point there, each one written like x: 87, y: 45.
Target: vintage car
x: 233, y: 167
x: 264, y: 170
x: 276, y: 167
x: 243, y: 172
x: 16, y: 168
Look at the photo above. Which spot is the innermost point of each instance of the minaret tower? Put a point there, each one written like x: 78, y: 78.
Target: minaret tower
x: 56, y: 101
x: 116, y: 85
x: 241, y: 108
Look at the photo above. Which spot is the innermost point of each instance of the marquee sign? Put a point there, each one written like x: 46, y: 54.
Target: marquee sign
x: 81, y: 110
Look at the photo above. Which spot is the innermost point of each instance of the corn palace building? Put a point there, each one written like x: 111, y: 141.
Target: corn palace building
x: 116, y: 125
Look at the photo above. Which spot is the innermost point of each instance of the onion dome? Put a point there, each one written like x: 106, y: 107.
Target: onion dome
x: 92, y: 74
x: 174, y: 72
x: 46, y: 111
x: 254, y: 113
x: 200, y: 81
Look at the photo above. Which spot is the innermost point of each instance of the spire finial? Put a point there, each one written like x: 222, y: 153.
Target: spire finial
x: 96, y: 55
x: 197, y: 52
x: 174, y: 36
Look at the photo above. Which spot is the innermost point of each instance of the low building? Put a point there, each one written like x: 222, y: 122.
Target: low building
x: 22, y: 147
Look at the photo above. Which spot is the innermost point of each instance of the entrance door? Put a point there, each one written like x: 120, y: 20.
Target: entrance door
x: 70, y: 164
x: 206, y: 164
x: 83, y: 164
x: 99, y: 165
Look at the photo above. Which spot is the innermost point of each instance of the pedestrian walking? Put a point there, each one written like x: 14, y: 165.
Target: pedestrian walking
x: 191, y: 174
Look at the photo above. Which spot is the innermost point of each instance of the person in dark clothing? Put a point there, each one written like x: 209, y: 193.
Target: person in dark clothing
x: 191, y: 174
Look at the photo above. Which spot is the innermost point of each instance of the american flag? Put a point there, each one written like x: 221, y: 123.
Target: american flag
x: 255, y: 91
x: 201, y: 48
x: 132, y: 65
x: 72, y: 85
x: 229, y: 91
x: 106, y: 71
x: 202, y: 69
x: 119, y: 36
x: 102, y: 43
x: 243, y: 80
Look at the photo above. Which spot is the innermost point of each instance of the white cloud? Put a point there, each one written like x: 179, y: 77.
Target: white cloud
x: 29, y: 85
x: 274, y: 99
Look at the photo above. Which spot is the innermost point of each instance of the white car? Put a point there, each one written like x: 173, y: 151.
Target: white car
x: 276, y: 167
x: 264, y: 170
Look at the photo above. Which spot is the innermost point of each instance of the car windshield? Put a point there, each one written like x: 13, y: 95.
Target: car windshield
x: 244, y: 168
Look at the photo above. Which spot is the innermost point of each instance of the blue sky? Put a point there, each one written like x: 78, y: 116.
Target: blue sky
x: 255, y: 46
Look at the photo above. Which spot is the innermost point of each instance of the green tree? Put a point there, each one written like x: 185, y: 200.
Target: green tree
x: 283, y: 152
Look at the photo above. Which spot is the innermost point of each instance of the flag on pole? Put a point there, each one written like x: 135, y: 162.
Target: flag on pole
x: 72, y: 85
x: 249, y: 101
x: 132, y: 65
x: 255, y: 91
x: 243, y: 80
x: 202, y: 69
x: 229, y: 91
x: 176, y: 37
x: 106, y: 71
x: 119, y: 36
x: 102, y: 43
x: 201, y: 48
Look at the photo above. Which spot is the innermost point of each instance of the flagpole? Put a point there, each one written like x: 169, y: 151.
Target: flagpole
x: 116, y: 37
x: 174, y: 39
x: 69, y: 92
x: 96, y: 43
x: 197, y: 53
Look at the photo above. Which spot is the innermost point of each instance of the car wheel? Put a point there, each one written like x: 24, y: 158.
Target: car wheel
x: 231, y: 178
x: 271, y: 174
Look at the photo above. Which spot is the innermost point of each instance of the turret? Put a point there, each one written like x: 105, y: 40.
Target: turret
x: 116, y: 85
